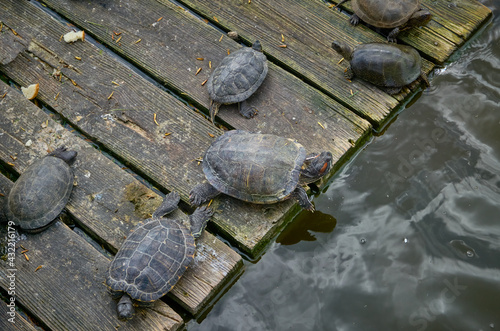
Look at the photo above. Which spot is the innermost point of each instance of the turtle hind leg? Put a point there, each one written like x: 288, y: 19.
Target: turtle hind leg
x: 301, y: 195
x: 199, y: 220
x: 392, y: 36
x: 246, y: 111
x: 424, y: 77
x: 214, y: 109
x: 202, y: 193
x: 169, y: 205
x: 125, y: 308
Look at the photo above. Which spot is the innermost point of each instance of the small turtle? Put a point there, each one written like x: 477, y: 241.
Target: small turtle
x: 389, y: 66
x: 259, y: 168
x: 236, y: 78
x: 154, y: 257
x: 396, y: 15
x: 42, y: 191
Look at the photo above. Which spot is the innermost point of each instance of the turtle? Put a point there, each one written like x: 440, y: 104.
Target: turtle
x: 396, y: 15
x: 236, y: 78
x: 154, y: 257
x: 259, y: 168
x: 389, y: 66
x: 42, y: 191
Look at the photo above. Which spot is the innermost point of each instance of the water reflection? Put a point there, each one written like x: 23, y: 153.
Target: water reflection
x: 304, y: 226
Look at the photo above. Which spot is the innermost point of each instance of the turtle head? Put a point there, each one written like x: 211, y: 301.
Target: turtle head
x: 419, y: 18
x: 257, y: 46
x: 315, y: 166
x: 125, y: 308
x: 343, y: 49
x: 65, y: 155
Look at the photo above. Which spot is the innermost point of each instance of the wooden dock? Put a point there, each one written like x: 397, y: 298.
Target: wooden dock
x: 145, y: 108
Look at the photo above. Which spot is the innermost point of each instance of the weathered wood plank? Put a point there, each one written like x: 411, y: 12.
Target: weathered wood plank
x: 308, y: 52
x: 12, y: 320
x: 126, y: 125
x: 107, y: 201
x: 462, y: 17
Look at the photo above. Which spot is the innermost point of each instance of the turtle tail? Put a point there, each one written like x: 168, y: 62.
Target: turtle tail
x: 214, y: 109
x: 425, y: 78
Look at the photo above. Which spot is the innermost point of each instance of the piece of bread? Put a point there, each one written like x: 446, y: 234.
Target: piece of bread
x: 31, y: 91
x: 73, y: 36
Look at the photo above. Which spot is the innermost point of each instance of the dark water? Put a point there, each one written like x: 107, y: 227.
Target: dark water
x: 407, y: 235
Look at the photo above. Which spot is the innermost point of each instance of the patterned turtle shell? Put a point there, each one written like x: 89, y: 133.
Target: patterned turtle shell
x: 40, y: 194
x: 152, y: 260
x: 385, y: 13
x: 254, y: 167
x: 238, y: 76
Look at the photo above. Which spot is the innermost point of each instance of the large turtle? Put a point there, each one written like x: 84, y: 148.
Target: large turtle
x: 236, y: 78
x: 396, y: 15
x: 42, y: 191
x: 259, y: 168
x: 154, y: 257
x: 389, y: 66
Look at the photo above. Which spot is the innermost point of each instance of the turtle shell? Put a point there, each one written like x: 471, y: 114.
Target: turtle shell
x: 385, y: 13
x: 389, y: 65
x: 40, y: 194
x: 238, y: 76
x: 152, y: 259
x: 254, y: 167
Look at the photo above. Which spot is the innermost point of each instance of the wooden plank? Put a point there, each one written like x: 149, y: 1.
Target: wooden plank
x: 107, y: 202
x: 12, y: 320
x: 308, y: 52
x: 125, y: 123
x: 462, y: 17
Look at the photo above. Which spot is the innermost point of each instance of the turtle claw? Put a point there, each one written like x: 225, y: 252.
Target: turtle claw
x: 195, y: 199
x: 205, y: 212
x: 354, y: 20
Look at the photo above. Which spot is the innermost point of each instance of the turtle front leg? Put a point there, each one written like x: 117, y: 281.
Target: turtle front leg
x: 202, y: 193
x: 392, y: 37
x: 301, y: 195
x: 245, y: 110
x: 354, y: 20
x: 199, y: 220
x: 348, y: 73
